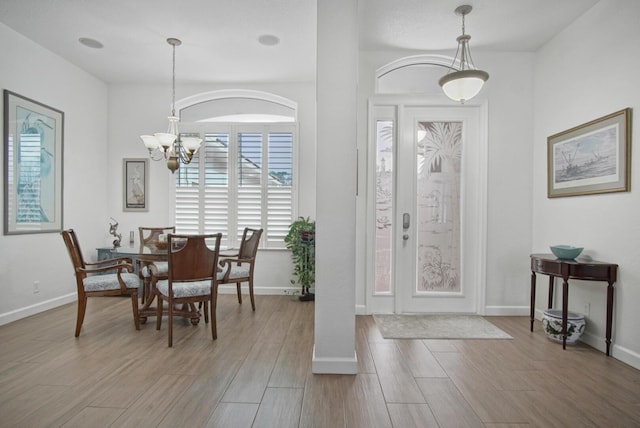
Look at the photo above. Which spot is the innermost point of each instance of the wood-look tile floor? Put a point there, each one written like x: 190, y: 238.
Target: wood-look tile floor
x: 257, y: 374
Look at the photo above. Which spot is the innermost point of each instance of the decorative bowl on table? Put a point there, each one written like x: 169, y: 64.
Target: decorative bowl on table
x: 160, y: 245
x: 566, y: 252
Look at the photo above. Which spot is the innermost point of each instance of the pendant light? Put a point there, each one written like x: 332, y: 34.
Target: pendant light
x: 467, y: 81
x: 170, y: 145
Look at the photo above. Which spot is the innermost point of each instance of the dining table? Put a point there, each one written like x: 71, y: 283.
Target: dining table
x: 146, y: 257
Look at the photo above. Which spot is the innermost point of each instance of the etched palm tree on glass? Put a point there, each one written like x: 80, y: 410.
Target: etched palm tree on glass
x: 439, y: 156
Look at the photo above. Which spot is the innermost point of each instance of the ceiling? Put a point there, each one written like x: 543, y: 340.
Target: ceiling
x: 220, y: 37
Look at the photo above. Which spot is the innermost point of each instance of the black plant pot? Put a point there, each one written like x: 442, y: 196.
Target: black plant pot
x: 307, y: 297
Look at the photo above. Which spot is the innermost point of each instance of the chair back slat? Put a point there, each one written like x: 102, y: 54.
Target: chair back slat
x: 71, y: 242
x: 150, y: 234
x: 250, y: 242
x: 193, y: 257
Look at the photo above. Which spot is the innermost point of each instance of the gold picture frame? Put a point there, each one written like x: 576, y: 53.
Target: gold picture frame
x: 591, y: 158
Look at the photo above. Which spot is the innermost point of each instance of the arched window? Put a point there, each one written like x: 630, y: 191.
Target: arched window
x: 244, y: 174
x: 417, y: 74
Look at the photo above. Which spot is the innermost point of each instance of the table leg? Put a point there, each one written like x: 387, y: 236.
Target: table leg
x: 533, y: 297
x: 565, y: 311
x: 552, y: 281
x: 609, y: 315
x: 150, y: 296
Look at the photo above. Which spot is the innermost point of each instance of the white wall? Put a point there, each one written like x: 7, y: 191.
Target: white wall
x: 142, y: 109
x: 509, y: 94
x: 588, y: 71
x: 36, y: 73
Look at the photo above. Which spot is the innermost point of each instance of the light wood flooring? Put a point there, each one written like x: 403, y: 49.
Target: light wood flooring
x: 257, y: 374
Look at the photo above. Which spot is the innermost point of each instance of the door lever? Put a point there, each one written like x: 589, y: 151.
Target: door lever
x: 406, y: 221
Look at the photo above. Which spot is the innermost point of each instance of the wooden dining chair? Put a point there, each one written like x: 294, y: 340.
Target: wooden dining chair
x: 193, y: 261
x: 92, y: 279
x: 149, y: 241
x: 238, y: 268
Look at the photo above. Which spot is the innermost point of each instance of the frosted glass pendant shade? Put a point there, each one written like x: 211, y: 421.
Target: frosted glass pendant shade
x: 150, y: 142
x: 191, y: 143
x: 165, y: 139
x: 463, y: 85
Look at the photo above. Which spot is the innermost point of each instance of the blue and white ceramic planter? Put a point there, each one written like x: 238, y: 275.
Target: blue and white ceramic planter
x: 552, y: 325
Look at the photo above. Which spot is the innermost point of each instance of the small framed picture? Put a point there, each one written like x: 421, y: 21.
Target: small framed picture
x: 136, y: 181
x: 594, y: 157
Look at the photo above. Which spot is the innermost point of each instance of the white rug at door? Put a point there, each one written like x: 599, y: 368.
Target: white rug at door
x: 437, y: 327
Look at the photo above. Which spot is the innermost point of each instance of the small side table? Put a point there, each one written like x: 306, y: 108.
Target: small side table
x: 579, y: 268
x: 105, y: 253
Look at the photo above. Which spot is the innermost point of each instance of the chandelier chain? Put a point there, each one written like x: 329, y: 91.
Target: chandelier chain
x: 173, y: 83
x: 463, y: 15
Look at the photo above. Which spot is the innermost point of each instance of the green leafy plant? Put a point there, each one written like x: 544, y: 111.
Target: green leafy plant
x: 301, y: 240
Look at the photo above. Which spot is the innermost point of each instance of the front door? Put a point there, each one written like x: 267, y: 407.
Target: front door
x: 429, y: 210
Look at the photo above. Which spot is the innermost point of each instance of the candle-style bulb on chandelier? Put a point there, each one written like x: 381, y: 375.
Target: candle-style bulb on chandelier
x: 169, y: 145
x: 466, y: 81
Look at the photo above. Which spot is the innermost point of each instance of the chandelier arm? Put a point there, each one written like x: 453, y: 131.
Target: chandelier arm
x: 157, y: 154
x: 453, y: 64
x: 183, y: 155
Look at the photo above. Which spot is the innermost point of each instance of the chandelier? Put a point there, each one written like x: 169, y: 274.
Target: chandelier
x: 464, y: 83
x: 170, y: 145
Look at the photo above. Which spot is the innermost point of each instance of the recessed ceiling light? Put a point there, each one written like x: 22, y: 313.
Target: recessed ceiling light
x: 90, y: 43
x: 268, y: 40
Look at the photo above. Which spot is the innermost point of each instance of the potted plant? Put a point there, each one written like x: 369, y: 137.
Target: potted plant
x: 301, y: 240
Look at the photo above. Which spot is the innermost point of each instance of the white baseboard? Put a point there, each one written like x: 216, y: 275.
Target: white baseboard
x: 17, y: 314
x: 361, y: 310
x: 625, y: 355
x: 264, y: 291
x: 347, y: 366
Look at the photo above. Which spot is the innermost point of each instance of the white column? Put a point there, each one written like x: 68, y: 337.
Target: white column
x: 337, y: 66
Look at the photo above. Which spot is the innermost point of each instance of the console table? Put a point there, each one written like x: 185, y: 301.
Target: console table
x: 590, y: 270
x: 106, y: 253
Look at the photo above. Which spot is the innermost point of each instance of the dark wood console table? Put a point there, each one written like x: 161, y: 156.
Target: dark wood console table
x: 590, y: 270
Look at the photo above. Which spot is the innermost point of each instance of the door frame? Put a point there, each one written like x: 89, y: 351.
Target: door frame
x: 389, y: 303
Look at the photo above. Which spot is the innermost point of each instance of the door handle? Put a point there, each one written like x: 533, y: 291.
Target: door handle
x: 406, y: 221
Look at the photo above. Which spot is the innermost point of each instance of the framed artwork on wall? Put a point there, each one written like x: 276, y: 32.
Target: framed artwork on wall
x: 594, y: 157
x: 136, y: 184
x: 33, y: 138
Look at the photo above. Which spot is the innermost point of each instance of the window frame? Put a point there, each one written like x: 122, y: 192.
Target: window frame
x: 233, y: 129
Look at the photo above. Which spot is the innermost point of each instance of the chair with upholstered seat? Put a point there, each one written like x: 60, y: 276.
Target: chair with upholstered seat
x: 92, y: 278
x: 193, y: 264
x: 149, y: 238
x: 238, y: 268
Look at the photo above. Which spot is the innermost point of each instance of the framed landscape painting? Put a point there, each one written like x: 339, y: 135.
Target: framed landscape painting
x: 591, y: 158
x: 33, y: 137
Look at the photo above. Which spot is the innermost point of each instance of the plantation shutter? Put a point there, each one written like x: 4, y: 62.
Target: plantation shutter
x: 249, y: 182
x: 279, y: 187
x: 188, y: 197
x: 216, y: 190
x: 240, y: 178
